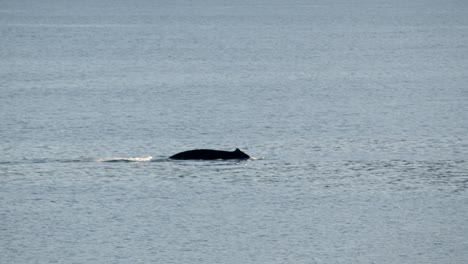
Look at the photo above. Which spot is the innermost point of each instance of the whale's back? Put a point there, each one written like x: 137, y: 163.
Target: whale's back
x: 210, y: 154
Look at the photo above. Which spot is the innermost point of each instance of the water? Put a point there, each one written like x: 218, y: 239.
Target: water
x: 355, y: 111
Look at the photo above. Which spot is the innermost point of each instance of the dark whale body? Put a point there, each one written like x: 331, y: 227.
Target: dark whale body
x: 210, y: 154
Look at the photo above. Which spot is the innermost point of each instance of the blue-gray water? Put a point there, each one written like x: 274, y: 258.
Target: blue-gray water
x: 356, y: 110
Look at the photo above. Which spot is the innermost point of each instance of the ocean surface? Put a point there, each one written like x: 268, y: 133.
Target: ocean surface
x: 356, y: 113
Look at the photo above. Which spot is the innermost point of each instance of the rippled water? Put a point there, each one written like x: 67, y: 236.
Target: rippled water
x: 356, y: 114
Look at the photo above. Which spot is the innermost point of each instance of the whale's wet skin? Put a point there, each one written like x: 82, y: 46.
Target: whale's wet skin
x: 210, y: 154
x: 358, y: 110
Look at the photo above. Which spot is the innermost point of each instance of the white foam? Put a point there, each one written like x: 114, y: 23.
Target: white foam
x: 126, y: 159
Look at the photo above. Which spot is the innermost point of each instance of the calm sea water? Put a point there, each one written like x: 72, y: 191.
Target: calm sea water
x: 357, y: 113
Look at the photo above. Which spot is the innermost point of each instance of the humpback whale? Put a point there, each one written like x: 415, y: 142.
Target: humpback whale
x: 210, y: 154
